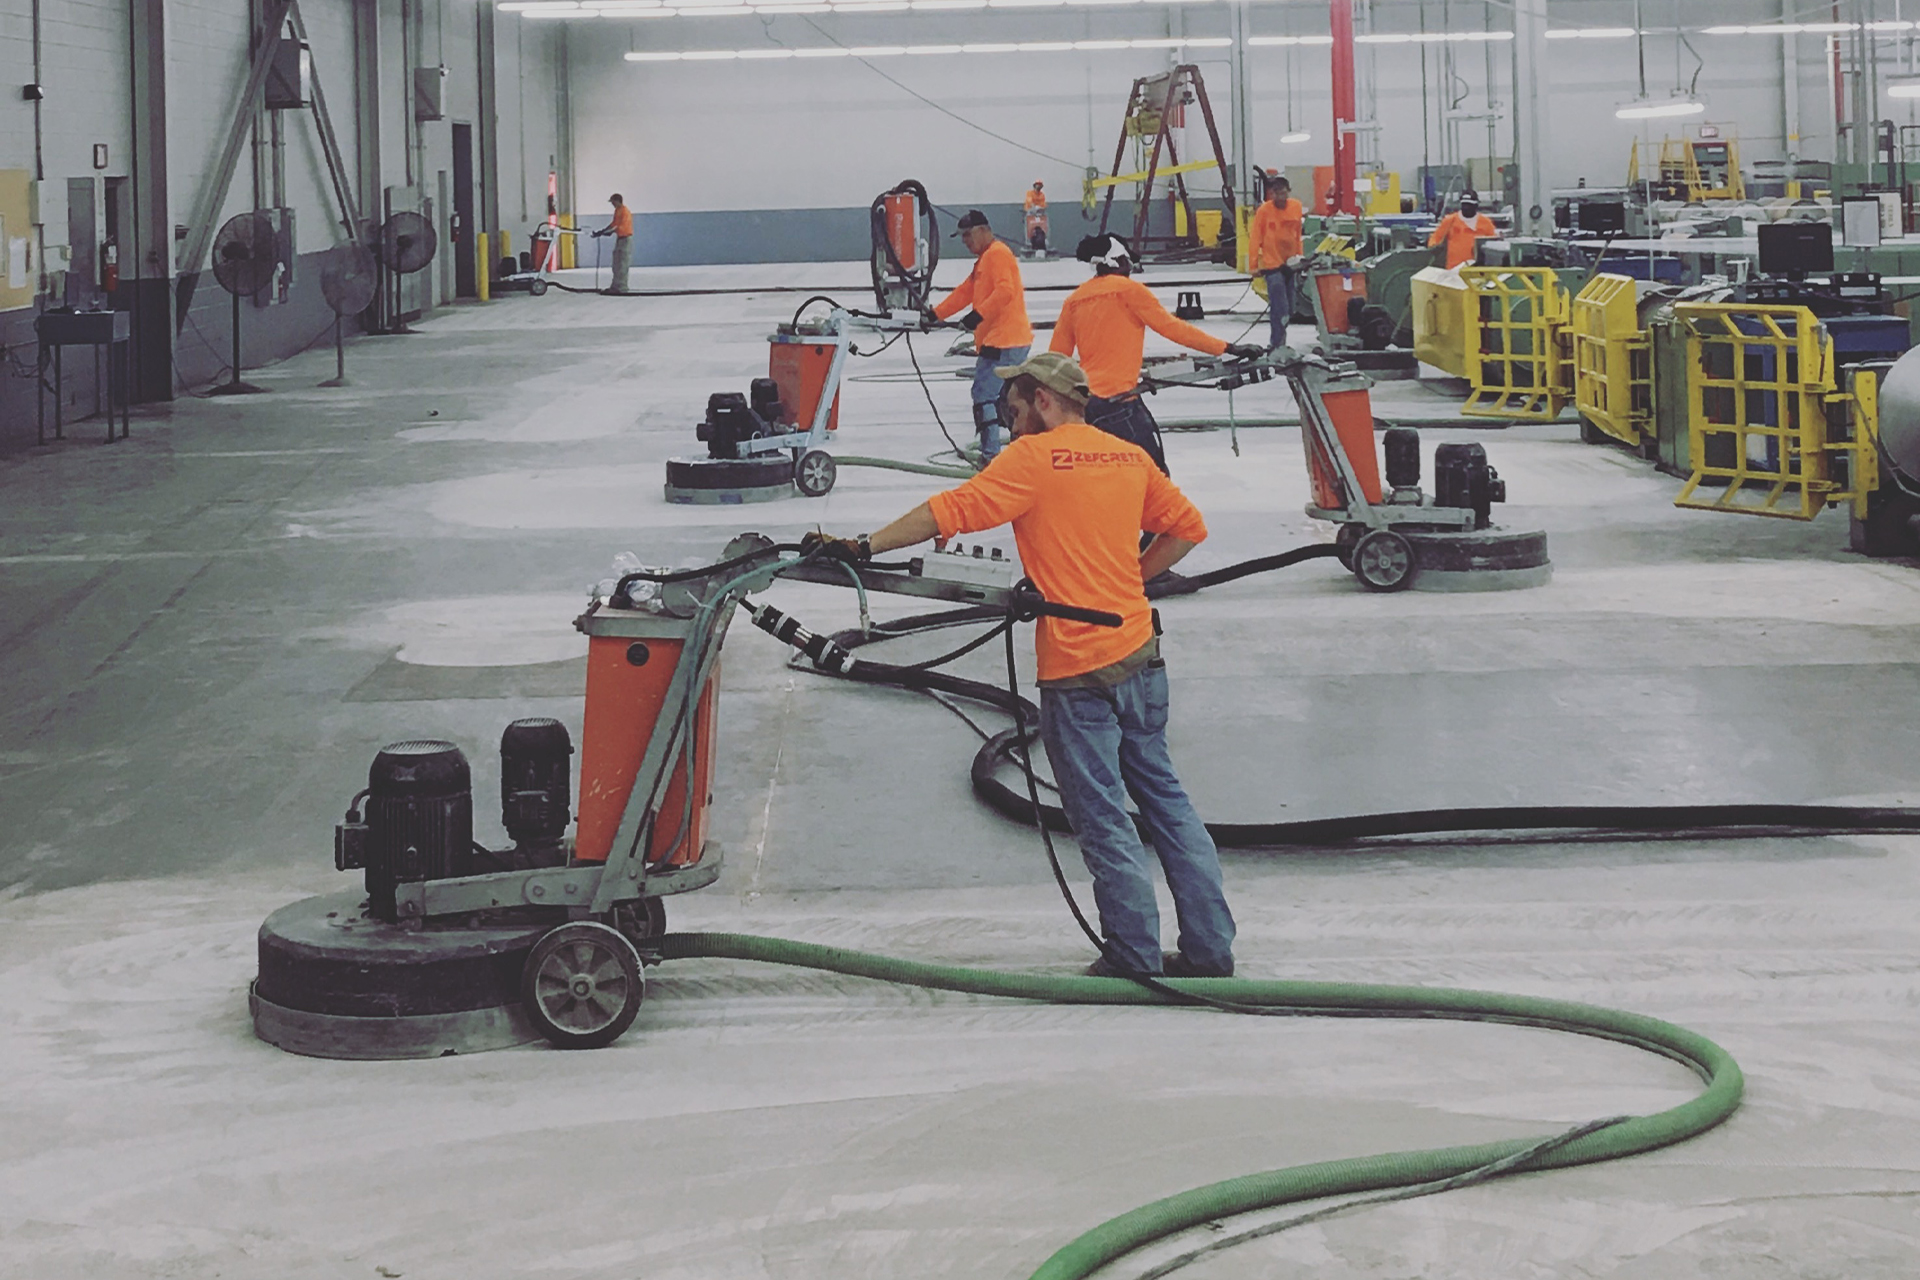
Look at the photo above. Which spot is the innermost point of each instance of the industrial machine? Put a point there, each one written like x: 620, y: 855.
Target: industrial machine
x: 771, y: 441
x: 541, y: 265
x: 1762, y: 393
x: 1703, y: 167
x: 1395, y: 536
x: 454, y: 947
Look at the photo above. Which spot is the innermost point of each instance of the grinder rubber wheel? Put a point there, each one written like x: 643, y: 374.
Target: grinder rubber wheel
x: 1383, y: 561
x: 814, y: 473
x: 582, y: 985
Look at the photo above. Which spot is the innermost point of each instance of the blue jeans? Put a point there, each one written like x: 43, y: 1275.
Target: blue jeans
x: 1107, y: 745
x: 1281, y: 283
x: 988, y: 387
x: 1128, y: 417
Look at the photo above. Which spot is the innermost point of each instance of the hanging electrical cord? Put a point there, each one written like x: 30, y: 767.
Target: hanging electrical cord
x: 943, y: 110
x: 927, y: 391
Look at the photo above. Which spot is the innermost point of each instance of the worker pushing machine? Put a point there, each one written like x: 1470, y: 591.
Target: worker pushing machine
x: 621, y: 229
x: 1105, y: 321
x: 1077, y: 500
x: 1459, y: 231
x: 1035, y: 206
x: 998, y: 320
x: 1276, y: 249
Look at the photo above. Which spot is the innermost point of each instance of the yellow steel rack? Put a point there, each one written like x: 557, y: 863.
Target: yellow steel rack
x: 1769, y: 416
x: 1612, y: 361
x: 1521, y: 368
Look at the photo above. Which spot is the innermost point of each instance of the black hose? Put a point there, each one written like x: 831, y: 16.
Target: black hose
x: 1553, y: 824
x: 1174, y: 584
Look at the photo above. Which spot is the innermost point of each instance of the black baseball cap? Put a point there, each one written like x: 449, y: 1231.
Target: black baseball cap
x: 970, y: 219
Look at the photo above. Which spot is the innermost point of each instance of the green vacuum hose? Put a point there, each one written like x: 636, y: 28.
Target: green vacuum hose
x: 1136, y: 1228
x: 916, y: 468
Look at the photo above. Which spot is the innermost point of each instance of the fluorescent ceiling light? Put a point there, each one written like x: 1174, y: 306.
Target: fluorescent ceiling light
x: 1646, y: 109
x: 1592, y: 33
x: 1904, y: 87
x: 1804, y: 28
x: 1257, y: 41
x: 1300, y: 136
x: 888, y: 51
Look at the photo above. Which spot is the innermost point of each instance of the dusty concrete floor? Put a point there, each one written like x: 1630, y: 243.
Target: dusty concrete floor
x: 206, y: 631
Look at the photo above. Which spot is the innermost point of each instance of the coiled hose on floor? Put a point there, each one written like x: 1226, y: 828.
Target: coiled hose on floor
x: 1544, y: 823
x: 1418, y: 1172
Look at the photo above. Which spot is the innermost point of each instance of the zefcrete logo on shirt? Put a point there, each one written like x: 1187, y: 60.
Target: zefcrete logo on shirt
x: 1067, y: 459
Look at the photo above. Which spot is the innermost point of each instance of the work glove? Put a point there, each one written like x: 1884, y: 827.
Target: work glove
x: 825, y: 546
x: 1245, y: 350
x: 971, y: 321
x: 927, y: 319
x: 1294, y: 263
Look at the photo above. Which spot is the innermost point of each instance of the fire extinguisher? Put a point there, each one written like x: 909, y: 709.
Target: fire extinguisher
x: 110, y: 268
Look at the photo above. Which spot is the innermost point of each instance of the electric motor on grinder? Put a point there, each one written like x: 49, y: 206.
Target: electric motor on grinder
x: 452, y: 947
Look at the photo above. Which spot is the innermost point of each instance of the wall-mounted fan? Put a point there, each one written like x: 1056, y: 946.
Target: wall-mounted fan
x: 246, y: 252
x: 404, y: 244
x: 349, y: 278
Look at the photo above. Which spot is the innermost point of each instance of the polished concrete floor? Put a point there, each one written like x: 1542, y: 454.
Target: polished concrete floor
x: 207, y: 630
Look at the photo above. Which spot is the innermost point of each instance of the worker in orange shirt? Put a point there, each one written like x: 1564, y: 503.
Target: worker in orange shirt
x: 1105, y: 321
x: 1036, y: 210
x: 1275, y: 251
x: 998, y: 321
x: 621, y: 229
x: 1458, y: 231
x: 1077, y: 499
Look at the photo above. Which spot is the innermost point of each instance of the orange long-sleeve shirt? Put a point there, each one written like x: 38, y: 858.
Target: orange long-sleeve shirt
x: 622, y: 221
x: 1077, y: 499
x: 1276, y: 235
x: 993, y: 289
x: 1458, y: 235
x: 1107, y: 319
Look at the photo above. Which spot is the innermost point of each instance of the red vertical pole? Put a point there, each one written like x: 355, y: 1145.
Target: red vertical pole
x: 1345, y: 141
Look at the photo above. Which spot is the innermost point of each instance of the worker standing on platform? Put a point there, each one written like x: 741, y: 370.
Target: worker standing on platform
x: 1036, y: 210
x: 621, y: 229
x: 998, y: 321
x: 1076, y: 505
x: 1275, y: 248
x: 1459, y: 231
x: 1105, y: 321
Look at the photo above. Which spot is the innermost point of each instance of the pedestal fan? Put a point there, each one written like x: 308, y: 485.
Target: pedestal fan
x: 245, y: 253
x: 404, y: 244
x: 349, y: 278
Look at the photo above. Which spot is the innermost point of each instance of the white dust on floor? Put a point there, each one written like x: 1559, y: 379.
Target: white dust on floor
x: 761, y: 1121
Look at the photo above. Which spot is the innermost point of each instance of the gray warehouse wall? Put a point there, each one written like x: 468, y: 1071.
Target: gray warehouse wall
x: 85, y: 51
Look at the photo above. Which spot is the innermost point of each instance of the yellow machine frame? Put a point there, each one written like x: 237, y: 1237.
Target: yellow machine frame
x: 1766, y: 415
x: 1519, y: 369
x: 1678, y: 168
x: 1613, y: 360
